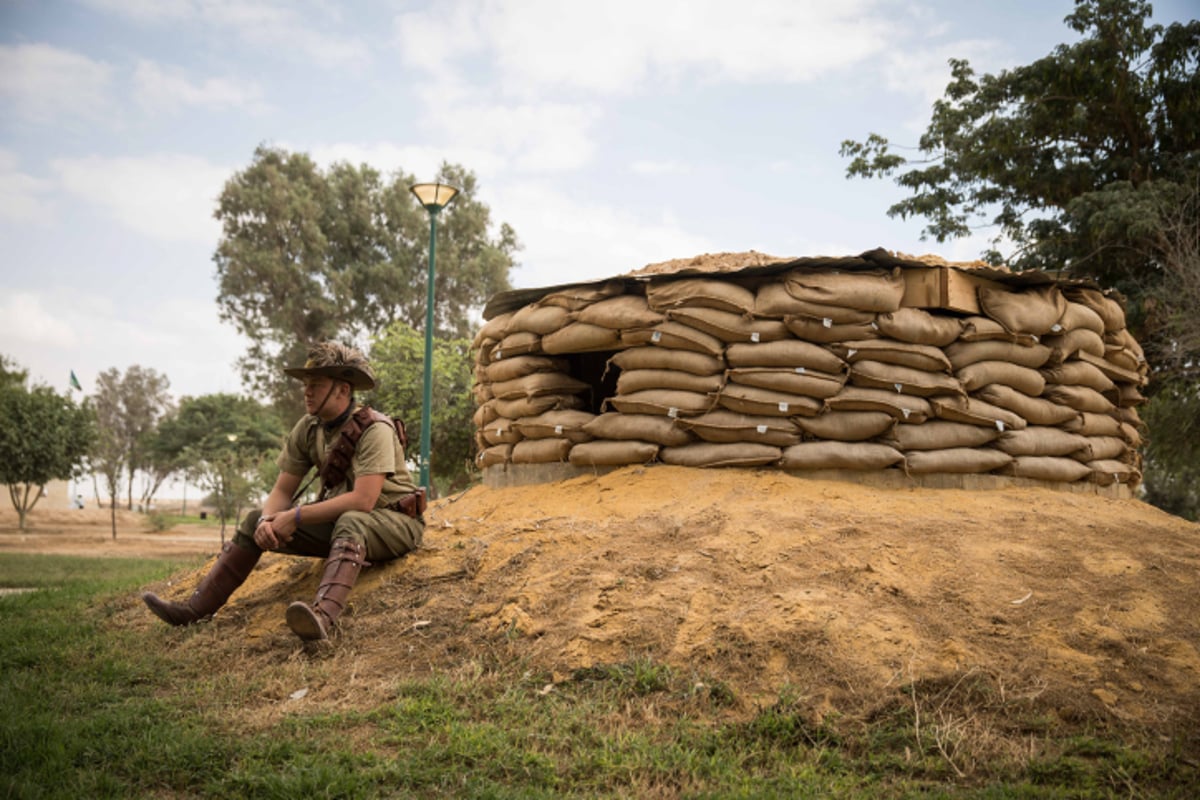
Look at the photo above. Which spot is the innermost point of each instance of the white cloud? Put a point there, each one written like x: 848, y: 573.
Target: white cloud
x: 161, y: 87
x: 21, y: 196
x: 42, y: 83
x: 617, y: 47
x: 25, y: 320
x: 648, y: 167
x: 167, y: 197
x: 420, y: 161
x: 290, y: 28
x: 569, y: 241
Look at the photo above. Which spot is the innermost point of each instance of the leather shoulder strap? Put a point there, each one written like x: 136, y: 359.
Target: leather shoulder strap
x: 337, y: 462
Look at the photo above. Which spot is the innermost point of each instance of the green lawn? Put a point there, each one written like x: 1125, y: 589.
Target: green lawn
x: 92, y: 709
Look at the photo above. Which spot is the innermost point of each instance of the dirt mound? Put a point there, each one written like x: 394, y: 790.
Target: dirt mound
x: 1085, y: 606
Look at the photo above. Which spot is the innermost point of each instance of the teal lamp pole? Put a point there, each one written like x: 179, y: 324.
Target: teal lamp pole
x: 435, y: 197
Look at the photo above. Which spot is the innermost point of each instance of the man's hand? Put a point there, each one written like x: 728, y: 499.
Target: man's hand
x: 273, y: 531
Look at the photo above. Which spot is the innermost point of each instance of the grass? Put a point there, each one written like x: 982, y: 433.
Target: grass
x: 91, y: 708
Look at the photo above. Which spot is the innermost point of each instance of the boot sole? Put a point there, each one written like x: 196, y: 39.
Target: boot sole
x: 304, y: 622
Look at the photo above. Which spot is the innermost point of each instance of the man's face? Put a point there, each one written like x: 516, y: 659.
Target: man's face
x: 315, y: 391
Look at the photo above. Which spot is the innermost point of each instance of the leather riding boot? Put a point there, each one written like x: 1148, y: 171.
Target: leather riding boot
x: 346, y: 559
x: 231, y: 570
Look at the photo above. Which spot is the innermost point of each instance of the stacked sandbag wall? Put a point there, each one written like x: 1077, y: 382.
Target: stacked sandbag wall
x: 814, y: 370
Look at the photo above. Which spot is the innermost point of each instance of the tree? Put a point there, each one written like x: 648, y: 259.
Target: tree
x: 43, y: 437
x: 398, y: 357
x: 128, y: 407
x: 1036, y: 150
x: 221, y: 440
x: 11, y: 373
x: 308, y: 254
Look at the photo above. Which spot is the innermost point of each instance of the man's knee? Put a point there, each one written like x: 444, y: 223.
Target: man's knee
x: 245, y: 530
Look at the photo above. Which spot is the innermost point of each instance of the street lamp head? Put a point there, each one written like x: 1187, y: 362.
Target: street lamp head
x: 434, y: 196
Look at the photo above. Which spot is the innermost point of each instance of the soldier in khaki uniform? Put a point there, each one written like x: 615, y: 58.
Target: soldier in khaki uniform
x: 355, y: 522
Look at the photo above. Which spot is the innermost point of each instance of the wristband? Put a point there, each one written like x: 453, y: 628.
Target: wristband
x: 297, y: 516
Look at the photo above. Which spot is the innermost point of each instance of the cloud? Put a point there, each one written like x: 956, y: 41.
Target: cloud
x: 42, y: 83
x: 569, y: 241
x: 646, y: 167
x: 166, y: 197
x: 21, y: 195
x: 301, y: 30
x: 619, y: 46
x: 420, y: 161
x: 26, y: 321
x: 160, y: 87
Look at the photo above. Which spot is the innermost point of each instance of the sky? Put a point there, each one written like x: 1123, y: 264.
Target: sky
x: 609, y: 135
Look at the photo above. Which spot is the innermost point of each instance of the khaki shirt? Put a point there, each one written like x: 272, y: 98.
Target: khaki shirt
x: 378, y: 453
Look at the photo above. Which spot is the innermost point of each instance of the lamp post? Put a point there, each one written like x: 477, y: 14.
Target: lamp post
x: 434, y: 197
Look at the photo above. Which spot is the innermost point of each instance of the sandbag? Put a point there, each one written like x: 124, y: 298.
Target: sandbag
x: 500, y: 431
x: 774, y: 301
x: 520, y: 366
x: 1079, y: 398
x: 810, y: 329
x: 665, y: 358
x: 1034, y: 310
x: 608, y: 453
x: 540, y: 451
x: 974, y: 411
x: 981, y: 373
x: 564, y: 424
x: 1047, y: 468
x: 620, y: 312
x: 654, y: 428
x: 955, y: 461
x: 889, y: 351
x: 539, y: 319
x: 700, y: 293
x: 1108, y: 309
x: 636, y: 380
x: 917, y: 326
x: 868, y: 290
x: 730, y: 327
x: 532, y: 406
x: 1108, y: 472
x: 517, y: 343
x: 1041, y: 440
x: 755, y: 401
x: 1105, y: 448
x: 798, y: 380
x: 1089, y: 423
x: 538, y: 383
x: 493, y: 456
x: 982, y: 329
x: 846, y: 426
x: 940, y: 435
x: 495, y: 328
x: 485, y: 414
x: 730, y: 426
x: 1112, y: 371
x: 963, y: 354
x: 1077, y: 316
x: 906, y: 380
x: 665, y: 402
x: 482, y: 392
x: 1078, y: 372
x: 1131, y: 435
x: 1035, y: 410
x: 785, y: 353
x: 709, y: 454
x: 1126, y: 395
x: 1080, y: 340
x: 905, y: 407
x: 575, y: 298
x: 675, y: 335
x: 580, y: 337
x: 840, y: 455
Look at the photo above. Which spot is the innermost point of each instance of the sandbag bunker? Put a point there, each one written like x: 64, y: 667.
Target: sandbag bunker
x: 871, y: 362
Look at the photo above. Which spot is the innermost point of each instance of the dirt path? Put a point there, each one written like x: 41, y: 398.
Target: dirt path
x: 88, y: 532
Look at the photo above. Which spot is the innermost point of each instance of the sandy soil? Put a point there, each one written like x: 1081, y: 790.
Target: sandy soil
x: 88, y: 532
x: 1079, y: 607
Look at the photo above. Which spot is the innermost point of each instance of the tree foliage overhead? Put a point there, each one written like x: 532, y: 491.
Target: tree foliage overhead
x: 43, y: 437
x: 1055, y: 153
x: 308, y: 254
x: 399, y: 356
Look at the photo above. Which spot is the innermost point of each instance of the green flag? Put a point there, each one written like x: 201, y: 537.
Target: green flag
x: 75, y: 382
